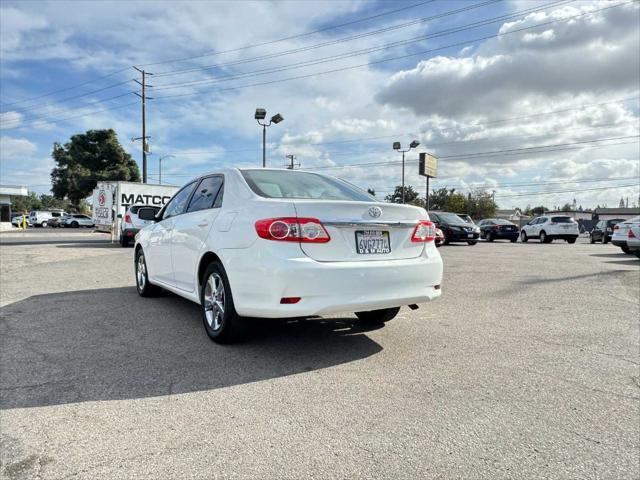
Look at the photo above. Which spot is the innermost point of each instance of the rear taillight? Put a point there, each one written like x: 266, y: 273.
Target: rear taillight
x: 631, y: 234
x: 425, y: 231
x: 496, y: 227
x: 127, y: 218
x: 292, y: 229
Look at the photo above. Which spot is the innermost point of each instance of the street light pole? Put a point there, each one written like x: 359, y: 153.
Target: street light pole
x: 397, y: 146
x: 403, y: 177
x: 261, y: 114
x: 264, y: 145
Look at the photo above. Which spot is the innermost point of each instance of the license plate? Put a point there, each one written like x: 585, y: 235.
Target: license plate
x: 469, y: 235
x: 372, y: 242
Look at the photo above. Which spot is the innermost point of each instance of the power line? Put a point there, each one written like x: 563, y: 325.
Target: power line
x: 63, y: 110
x: 332, y: 42
x: 523, y: 184
x: 528, y: 194
x: 352, y: 67
x: 72, y: 87
x: 495, y: 152
x: 333, y: 58
x: 395, y: 58
x: 291, y: 37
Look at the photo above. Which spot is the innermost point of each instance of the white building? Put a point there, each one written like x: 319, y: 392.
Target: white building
x: 6, y: 192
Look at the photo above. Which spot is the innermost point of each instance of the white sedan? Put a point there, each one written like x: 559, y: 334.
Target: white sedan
x: 283, y: 243
x: 621, y: 233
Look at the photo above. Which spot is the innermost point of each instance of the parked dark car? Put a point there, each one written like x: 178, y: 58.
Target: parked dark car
x: 454, y: 228
x: 603, y: 230
x: 498, y: 229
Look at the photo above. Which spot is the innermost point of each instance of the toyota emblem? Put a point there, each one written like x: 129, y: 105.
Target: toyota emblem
x: 375, y: 212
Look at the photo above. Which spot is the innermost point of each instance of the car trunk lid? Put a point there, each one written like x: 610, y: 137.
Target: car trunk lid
x: 362, y: 231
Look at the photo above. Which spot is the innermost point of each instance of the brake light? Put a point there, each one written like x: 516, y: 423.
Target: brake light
x: 496, y: 227
x: 425, y: 231
x: 631, y: 234
x: 127, y: 218
x: 292, y: 229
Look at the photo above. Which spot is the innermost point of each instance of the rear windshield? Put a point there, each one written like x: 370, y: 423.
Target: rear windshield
x: 291, y: 184
x: 503, y: 222
x: 562, y: 220
x: 451, y: 219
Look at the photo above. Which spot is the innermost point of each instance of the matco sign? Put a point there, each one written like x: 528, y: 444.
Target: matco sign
x: 111, y: 200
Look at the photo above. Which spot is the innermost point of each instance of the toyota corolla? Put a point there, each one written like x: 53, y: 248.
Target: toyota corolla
x: 251, y: 243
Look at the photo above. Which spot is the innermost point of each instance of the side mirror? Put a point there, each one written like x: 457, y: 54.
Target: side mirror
x: 147, y: 214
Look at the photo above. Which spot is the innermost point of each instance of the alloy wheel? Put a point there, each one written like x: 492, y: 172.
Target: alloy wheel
x: 214, y: 301
x: 141, y: 272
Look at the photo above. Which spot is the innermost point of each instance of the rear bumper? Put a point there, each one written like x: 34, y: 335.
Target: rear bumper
x: 563, y: 235
x: 453, y: 236
x: 130, y: 232
x: 259, y: 278
x: 619, y: 243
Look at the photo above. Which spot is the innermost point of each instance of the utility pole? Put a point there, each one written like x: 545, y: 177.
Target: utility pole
x: 143, y: 138
x: 291, y: 165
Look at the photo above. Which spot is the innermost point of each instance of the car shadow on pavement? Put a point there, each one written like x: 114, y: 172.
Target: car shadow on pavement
x: 111, y: 344
x: 620, y: 254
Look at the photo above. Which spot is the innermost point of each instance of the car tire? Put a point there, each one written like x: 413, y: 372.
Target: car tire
x: 571, y: 240
x: 604, y: 240
x: 378, y: 316
x: 43, y: 224
x: 625, y: 249
x: 514, y: 240
x: 523, y: 237
x: 75, y: 224
x: 490, y: 237
x: 124, y: 241
x: 544, y: 238
x: 219, y: 317
x: 637, y: 253
x: 472, y: 243
x: 591, y: 239
x: 143, y: 286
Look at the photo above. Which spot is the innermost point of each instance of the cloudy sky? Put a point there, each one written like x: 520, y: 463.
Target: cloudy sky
x: 538, y: 101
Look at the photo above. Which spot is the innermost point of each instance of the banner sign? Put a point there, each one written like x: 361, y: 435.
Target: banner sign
x: 103, y: 205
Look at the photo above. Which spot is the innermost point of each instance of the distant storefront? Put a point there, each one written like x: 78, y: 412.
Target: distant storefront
x: 6, y: 192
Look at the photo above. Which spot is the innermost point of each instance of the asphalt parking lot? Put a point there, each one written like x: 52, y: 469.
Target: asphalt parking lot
x: 527, y: 367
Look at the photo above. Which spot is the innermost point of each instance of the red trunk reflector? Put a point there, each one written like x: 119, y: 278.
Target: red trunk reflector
x: 289, y: 300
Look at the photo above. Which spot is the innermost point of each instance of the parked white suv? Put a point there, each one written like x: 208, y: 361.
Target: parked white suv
x: 39, y: 218
x: 286, y: 243
x: 621, y: 232
x: 132, y: 223
x: 551, y: 227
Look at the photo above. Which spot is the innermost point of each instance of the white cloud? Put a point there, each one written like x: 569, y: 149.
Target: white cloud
x: 16, y: 148
x: 591, y: 55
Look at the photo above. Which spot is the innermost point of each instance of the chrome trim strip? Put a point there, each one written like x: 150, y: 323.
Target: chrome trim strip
x: 364, y: 223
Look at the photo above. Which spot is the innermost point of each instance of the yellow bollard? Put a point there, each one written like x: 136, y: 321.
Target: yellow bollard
x: 24, y: 222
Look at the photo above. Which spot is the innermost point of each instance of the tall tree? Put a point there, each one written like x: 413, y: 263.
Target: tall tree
x: 87, y: 159
x: 411, y: 197
x: 438, y: 198
x: 456, y: 203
